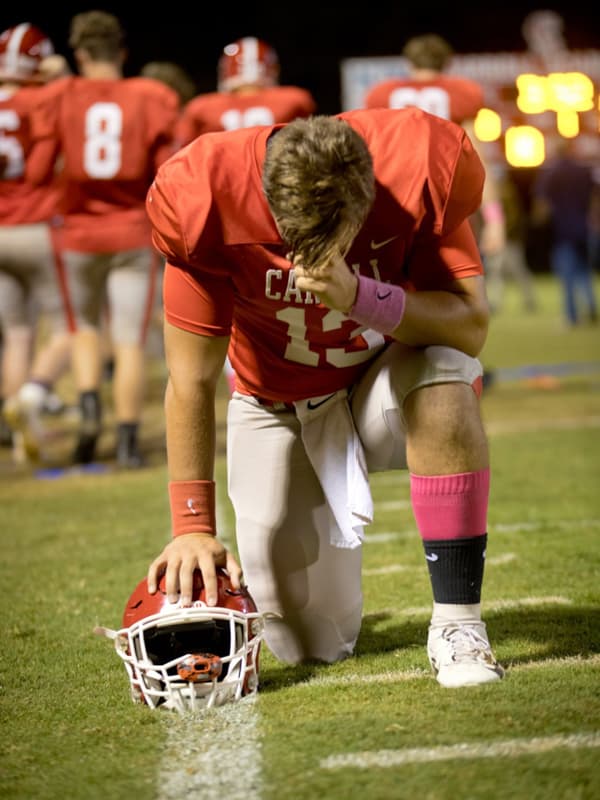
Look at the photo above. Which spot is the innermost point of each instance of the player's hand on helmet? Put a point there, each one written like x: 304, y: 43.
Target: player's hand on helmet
x: 182, y: 556
x: 333, y: 281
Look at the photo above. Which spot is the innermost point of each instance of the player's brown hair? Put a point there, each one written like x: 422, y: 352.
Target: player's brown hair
x: 172, y: 75
x: 98, y: 33
x: 319, y: 183
x: 429, y: 51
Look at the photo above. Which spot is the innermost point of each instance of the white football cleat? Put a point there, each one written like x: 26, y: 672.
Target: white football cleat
x: 460, y: 654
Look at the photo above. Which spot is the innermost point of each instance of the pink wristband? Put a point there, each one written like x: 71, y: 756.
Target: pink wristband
x: 379, y: 306
x: 192, y: 507
x: 492, y: 212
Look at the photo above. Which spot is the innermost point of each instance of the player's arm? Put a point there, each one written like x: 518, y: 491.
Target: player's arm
x: 194, y: 365
x: 455, y: 315
x: 42, y: 162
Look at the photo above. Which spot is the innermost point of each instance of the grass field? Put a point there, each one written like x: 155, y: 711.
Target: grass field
x: 378, y: 725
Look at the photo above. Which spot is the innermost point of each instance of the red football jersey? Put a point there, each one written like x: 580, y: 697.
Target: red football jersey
x: 227, y: 270
x: 446, y: 96
x: 227, y: 111
x: 109, y: 137
x: 21, y: 202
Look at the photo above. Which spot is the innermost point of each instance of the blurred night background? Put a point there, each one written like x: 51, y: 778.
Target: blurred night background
x: 310, y: 37
x: 314, y: 39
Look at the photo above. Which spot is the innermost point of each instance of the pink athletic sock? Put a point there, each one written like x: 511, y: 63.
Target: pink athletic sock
x: 451, y: 506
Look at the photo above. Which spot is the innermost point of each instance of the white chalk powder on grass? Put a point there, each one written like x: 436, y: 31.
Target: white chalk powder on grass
x: 212, y: 754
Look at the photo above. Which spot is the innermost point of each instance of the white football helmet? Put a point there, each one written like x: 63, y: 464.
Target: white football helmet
x: 190, y: 658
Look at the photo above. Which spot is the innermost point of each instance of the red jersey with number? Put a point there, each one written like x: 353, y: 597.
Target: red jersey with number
x: 446, y: 96
x: 107, y: 137
x: 228, y: 111
x: 21, y: 202
x: 227, y: 271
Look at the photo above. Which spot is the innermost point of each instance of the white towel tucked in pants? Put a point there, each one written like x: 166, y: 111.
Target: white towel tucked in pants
x: 336, y: 454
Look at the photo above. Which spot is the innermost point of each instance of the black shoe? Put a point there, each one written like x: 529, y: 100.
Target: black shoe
x: 129, y: 458
x: 128, y: 452
x: 85, y: 449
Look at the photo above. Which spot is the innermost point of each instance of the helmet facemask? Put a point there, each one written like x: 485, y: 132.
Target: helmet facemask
x: 189, y: 658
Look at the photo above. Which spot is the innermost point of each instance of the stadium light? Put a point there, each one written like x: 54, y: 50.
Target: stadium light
x: 524, y: 146
x: 567, y: 124
x: 533, y: 93
x: 487, y: 125
x: 570, y: 91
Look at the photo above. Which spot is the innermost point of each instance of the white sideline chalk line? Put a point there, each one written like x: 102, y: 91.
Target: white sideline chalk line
x: 213, y: 754
x: 501, y: 527
x: 493, y: 605
x: 392, y: 505
x: 419, y: 755
x: 402, y: 676
x: 388, y: 570
x: 494, y: 561
x: 500, y: 427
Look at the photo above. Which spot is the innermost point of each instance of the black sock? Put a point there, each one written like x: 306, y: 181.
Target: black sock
x: 456, y: 569
x: 91, y: 408
x: 127, y: 434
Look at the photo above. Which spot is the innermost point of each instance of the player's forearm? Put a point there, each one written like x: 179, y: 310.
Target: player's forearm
x: 191, y: 431
x: 444, y: 318
x: 457, y: 318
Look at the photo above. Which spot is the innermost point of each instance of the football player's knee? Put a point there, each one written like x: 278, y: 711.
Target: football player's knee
x: 450, y: 365
x: 301, y: 645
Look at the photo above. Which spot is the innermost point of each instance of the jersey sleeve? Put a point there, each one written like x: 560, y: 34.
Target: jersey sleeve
x: 456, y: 185
x: 43, y: 121
x: 167, y: 236
x: 197, y: 290
x: 435, y: 263
x: 197, y: 301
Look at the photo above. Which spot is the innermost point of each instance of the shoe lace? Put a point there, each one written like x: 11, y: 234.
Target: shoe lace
x: 467, y: 642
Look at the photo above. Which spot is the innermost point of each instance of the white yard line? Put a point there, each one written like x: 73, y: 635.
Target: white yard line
x: 492, y: 605
x: 392, y: 505
x: 402, y: 676
x: 213, y: 754
x: 494, y: 561
x: 501, y: 427
x: 500, y: 527
x: 508, y: 748
x: 389, y: 569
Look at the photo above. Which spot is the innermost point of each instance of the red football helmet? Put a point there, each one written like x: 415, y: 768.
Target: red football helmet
x: 247, y: 62
x: 22, y: 48
x: 193, y: 657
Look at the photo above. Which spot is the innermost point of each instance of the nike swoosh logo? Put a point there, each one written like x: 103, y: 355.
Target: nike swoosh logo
x: 377, y: 245
x: 383, y: 296
x: 432, y: 557
x: 190, y: 505
x: 311, y: 406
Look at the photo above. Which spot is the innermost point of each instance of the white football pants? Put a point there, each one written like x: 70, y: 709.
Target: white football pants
x: 313, y: 589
